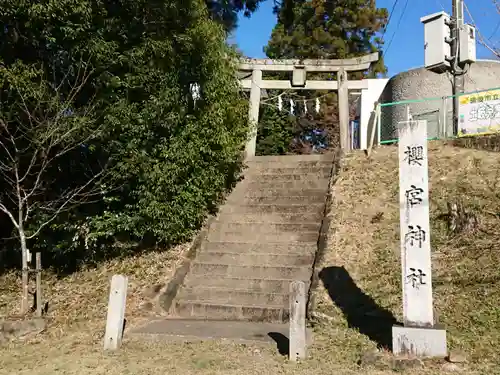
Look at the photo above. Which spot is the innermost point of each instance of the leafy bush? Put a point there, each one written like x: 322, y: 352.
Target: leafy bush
x: 281, y: 133
x: 275, y: 131
x: 171, y: 159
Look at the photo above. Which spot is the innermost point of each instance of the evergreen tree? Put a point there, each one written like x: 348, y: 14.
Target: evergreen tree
x: 226, y: 11
x: 324, y: 29
x: 275, y: 133
x: 327, y: 29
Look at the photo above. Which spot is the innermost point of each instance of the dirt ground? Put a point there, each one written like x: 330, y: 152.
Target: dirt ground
x: 362, y: 254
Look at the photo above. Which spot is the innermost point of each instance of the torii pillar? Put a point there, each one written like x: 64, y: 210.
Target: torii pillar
x: 300, y: 82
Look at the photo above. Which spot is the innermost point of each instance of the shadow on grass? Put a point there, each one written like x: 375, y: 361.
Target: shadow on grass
x: 360, y: 310
x: 282, y: 342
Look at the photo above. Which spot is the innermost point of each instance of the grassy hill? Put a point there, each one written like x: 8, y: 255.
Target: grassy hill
x: 360, y: 268
x: 466, y: 276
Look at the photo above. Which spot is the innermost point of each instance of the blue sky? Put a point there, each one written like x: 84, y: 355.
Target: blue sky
x: 407, y: 33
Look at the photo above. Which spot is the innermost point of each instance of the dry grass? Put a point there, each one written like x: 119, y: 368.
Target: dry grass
x: 466, y: 278
x: 466, y: 281
x: 78, y: 303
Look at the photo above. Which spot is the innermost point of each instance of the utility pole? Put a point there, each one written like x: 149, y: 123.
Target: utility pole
x: 456, y: 71
x: 450, y: 47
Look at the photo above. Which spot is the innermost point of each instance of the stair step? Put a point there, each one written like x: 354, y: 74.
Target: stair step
x: 285, y: 248
x: 255, y: 237
x: 305, y: 193
x: 277, y: 218
x: 233, y: 296
x: 292, y: 159
x: 281, y: 209
x: 281, y: 177
x: 261, y: 272
x: 270, y: 185
x: 286, y: 173
x: 265, y: 237
x: 215, y: 311
x: 188, y: 329
x: 285, y: 199
x: 252, y: 283
x: 264, y: 228
x: 246, y: 259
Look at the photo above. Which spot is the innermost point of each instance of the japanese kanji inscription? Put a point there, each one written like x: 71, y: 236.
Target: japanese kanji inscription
x: 414, y: 224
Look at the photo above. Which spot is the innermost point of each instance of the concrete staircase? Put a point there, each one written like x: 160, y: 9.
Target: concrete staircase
x: 265, y: 236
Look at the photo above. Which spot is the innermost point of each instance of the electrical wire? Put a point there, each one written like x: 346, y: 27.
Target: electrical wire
x: 266, y: 101
x: 397, y: 27
x: 494, y: 31
x: 466, y: 73
x: 390, y: 17
x: 389, y: 20
x: 440, y: 4
x: 482, y: 40
x: 497, y: 27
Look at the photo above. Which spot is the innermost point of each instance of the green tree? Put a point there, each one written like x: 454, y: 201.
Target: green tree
x: 324, y: 29
x: 42, y: 140
x: 327, y: 29
x: 226, y: 12
x: 276, y: 133
x: 170, y: 160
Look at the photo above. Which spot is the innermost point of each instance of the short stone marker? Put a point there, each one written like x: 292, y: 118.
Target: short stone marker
x: 418, y: 336
x: 116, y: 312
x: 297, y: 321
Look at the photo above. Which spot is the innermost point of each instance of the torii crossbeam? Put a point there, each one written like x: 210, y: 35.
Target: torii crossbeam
x: 300, y: 82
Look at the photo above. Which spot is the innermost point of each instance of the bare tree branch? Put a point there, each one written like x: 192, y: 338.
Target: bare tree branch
x: 61, y: 207
x: 9, y: 214
x: 34, y: 140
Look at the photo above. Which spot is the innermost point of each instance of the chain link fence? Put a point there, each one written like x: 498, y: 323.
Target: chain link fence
x: 438, y: 112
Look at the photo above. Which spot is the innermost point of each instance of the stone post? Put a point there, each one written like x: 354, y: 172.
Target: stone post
x: 418, y: 337
x: 343, y: 97
x: 297, y: 321
x: 116, y: 312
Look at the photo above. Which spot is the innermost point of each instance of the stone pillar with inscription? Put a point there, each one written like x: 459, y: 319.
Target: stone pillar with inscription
x: 419, y: 336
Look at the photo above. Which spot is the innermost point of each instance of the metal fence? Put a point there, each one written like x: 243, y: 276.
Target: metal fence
x: 436, y: 111
x: 479, y: 114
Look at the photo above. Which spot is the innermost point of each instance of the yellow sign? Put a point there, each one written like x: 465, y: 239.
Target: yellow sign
x: 479, y: 113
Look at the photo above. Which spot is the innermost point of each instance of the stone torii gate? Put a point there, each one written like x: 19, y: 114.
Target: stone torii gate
x: 300, y: 82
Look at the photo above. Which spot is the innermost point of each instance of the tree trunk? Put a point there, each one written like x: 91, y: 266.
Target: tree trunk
x: 24, y: 251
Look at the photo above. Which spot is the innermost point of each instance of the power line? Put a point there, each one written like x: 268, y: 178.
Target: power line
x: 482, y: 40
x: 389, y: 21
x: 497, y: 27
x: 390, y: 17
x: 495, y: 30
x: 397, y: 26
x: 440, y: 4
